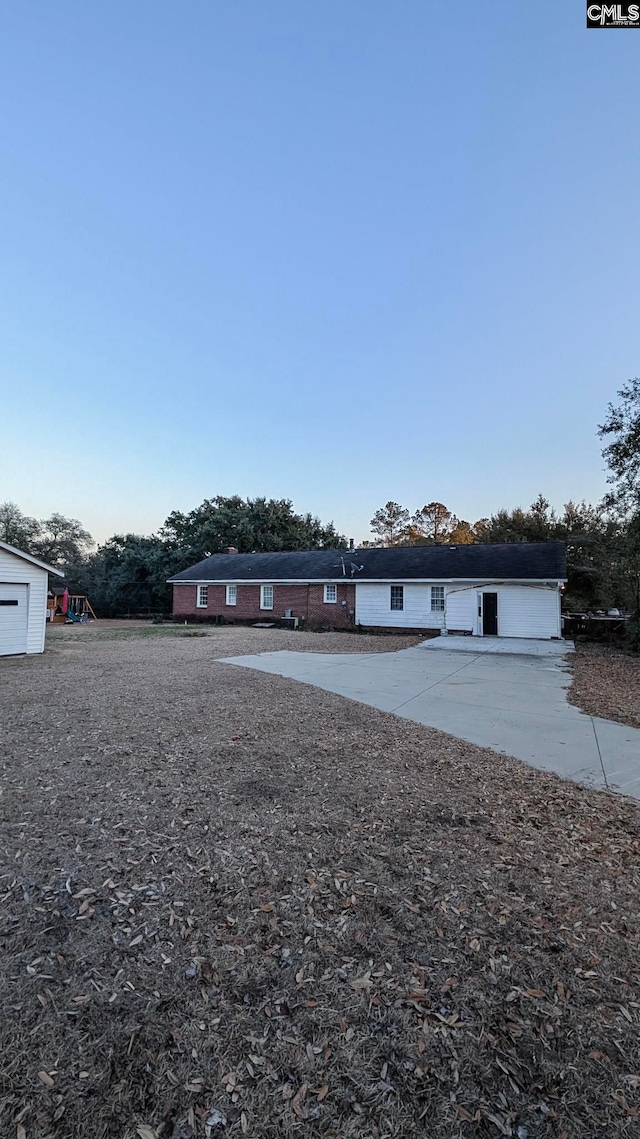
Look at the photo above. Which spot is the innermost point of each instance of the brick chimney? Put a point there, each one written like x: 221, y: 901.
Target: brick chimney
x: 231, y: 550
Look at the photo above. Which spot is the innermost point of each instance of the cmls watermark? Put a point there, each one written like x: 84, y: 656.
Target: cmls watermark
x: 613, y: 15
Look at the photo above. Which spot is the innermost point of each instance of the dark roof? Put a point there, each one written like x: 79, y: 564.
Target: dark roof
x: 518, y: 560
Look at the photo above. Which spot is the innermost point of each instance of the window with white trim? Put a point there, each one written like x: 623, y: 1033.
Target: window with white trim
x: 203, y: 597
x: 266, y: 597
x: 397, y: 597
x: 330, y: 594
x: 231, y: 594
x: 437, y: 598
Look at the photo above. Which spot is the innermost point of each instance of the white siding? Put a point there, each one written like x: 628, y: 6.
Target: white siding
x: 528, y: 611
x: 373, y: 607
x: 460, y: 601
x: 523, y: 610
x: 18, y: 571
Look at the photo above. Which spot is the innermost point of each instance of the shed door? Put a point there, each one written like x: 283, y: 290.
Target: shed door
x: 490, y: 614
x: 13, y: 619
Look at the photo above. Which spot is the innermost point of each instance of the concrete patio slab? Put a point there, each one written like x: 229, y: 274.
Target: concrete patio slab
x: 503, y: 694
x: 512, y: 646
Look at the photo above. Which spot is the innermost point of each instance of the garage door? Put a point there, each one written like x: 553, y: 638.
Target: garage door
x: 13, y: 619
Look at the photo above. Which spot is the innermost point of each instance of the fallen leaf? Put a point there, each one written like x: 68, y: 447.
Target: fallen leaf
x: 46, y: 1079
x: 450, y: 983
x: 216, y: 1119
x: 145, y: 1131
x: 463, y: 1113
x: 322, y: 1093
x: 297, y: 1101
x: 626, y: 1107
x: 503, y: 1125
x: 363, y: 982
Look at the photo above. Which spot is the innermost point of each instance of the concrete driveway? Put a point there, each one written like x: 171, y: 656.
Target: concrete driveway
x: 507, y: 695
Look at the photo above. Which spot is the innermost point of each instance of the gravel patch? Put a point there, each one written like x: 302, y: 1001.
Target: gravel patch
x: 606, y: 682
x: 236, y: 905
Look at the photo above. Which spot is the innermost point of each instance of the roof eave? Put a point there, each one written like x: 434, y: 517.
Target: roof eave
x: 30, y: 558
x: 354, y: 580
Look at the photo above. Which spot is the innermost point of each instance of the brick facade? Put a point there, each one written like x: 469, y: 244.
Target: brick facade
x: 306, y: 601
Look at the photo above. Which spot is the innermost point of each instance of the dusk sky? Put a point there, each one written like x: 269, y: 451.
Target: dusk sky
x: 338, y: 252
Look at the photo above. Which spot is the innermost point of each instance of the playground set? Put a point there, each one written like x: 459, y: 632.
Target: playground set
x: 66, y: 608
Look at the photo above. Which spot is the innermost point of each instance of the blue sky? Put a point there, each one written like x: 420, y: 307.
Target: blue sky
x: 338, y: 252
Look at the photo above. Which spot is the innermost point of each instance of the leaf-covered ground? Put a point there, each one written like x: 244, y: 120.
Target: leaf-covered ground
x: 606, y: 682
x: 233, y: 904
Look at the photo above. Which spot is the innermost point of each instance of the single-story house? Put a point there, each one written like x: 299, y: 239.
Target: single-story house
x: 23, y: 601
x: 509, y: 590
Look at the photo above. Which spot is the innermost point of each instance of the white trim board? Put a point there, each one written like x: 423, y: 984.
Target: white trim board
x: 30, y: 558
x: 470, y: 581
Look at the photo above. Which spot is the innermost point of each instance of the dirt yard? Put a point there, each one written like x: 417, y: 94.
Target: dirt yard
x: 606, y: 682
x: 236, y: 639
x: 236, y: 905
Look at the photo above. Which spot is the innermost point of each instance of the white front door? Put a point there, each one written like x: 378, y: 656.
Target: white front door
x: 13, y: 619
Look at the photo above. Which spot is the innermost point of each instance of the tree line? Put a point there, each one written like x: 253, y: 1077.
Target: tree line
x: 594, y: 539
x: 602, y: 541
x: 127, y: 573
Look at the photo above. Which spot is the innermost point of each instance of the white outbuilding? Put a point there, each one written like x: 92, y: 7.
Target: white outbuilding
x: 24, y: 584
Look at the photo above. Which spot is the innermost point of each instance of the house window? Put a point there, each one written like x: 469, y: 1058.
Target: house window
x: 231, y: 594
x: 266, y: 597
x: 203, y: 596
x: 437, y: 598
x: 397, y: 597
x: 330, y: 594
